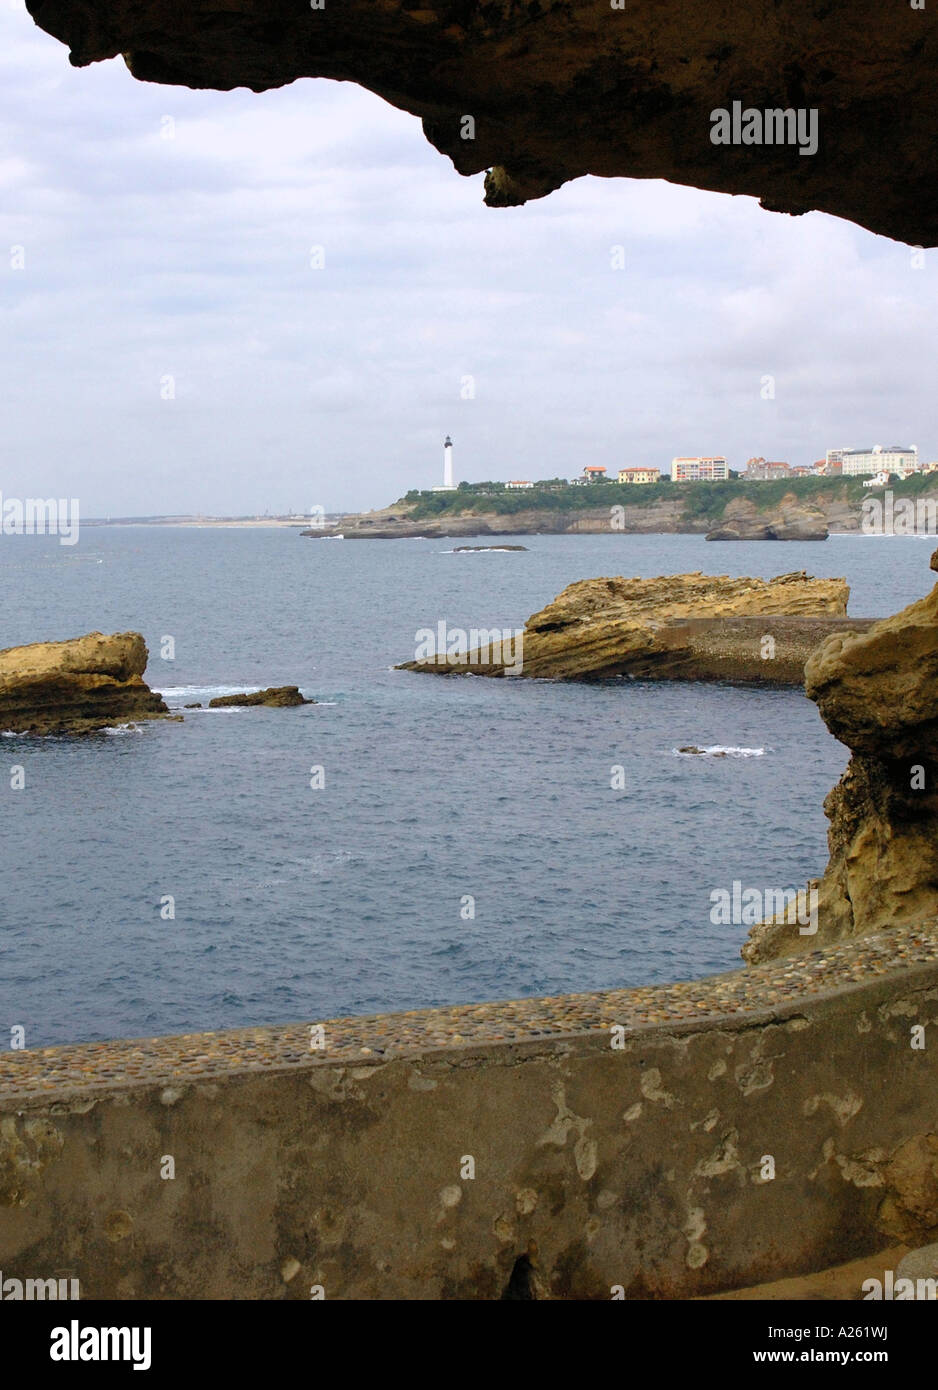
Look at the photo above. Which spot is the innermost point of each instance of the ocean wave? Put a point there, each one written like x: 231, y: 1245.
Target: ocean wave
x: 117, y: 729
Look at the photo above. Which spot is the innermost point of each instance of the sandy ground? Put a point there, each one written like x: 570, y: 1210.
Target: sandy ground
x: 842, y: 1283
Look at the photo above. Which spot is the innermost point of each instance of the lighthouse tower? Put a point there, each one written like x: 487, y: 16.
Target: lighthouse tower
x: 447, y: 485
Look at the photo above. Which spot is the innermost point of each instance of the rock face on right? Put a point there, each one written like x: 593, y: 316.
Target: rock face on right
x: 877, y: 692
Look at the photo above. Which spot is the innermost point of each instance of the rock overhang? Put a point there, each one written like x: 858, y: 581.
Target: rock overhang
x: 539, y: 93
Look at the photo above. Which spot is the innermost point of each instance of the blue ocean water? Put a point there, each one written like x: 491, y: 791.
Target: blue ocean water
x: 300, y: 903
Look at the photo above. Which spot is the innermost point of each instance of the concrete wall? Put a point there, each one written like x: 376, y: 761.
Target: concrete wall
x: 640, y: 1167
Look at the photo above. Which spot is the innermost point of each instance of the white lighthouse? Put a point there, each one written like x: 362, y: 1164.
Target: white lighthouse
x: 448, y: 484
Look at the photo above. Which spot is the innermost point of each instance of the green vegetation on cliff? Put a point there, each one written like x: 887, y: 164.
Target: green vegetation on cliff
x: 702, y: 501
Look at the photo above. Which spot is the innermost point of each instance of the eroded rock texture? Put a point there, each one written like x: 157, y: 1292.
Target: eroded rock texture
x: 792, y: 520
x: 558, y: 89
x: 77, y: 686
x: 676, y: 627
x: 878, y: 693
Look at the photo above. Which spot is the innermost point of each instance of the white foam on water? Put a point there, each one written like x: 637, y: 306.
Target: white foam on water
x: 118, y: 729
x: 204, y: 692
x: 720, y: 750
x: 225, y: 709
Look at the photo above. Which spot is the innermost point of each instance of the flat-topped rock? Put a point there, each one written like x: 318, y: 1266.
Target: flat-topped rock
x: 76, y: 687
x: 675, y: 627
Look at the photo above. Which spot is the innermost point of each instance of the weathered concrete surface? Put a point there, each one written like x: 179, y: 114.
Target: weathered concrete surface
x: 877, y: 692
x: 77, y: 686
x: 559, y: 90
x: 642, y: 1167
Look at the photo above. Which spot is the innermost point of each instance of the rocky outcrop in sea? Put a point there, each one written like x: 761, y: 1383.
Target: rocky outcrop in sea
x: 76, y: 687
x: 675, y: 627
x: 275, y: 697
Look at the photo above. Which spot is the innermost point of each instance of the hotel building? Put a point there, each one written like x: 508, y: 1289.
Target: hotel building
x: 861, y: 463
x: 710, y: 469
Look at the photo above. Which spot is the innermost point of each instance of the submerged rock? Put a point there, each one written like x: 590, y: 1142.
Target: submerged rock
x: 459, y: 549
x: 676, y: 627
x: 878, y: 694
x: 78, y: 686
x: 276, y: 697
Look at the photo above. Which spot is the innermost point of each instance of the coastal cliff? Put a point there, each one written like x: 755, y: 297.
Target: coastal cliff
x: 877, y: 692
x: 676, y: 627
x: 802, y: 509
x: 76, y: 687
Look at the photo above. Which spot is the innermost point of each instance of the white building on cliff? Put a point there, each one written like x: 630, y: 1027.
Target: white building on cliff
x: 448, y: 485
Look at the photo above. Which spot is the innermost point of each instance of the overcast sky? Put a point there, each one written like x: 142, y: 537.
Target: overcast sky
x: 147, y: 258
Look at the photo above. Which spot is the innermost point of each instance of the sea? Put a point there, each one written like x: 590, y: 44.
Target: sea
x: 407, y: 840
